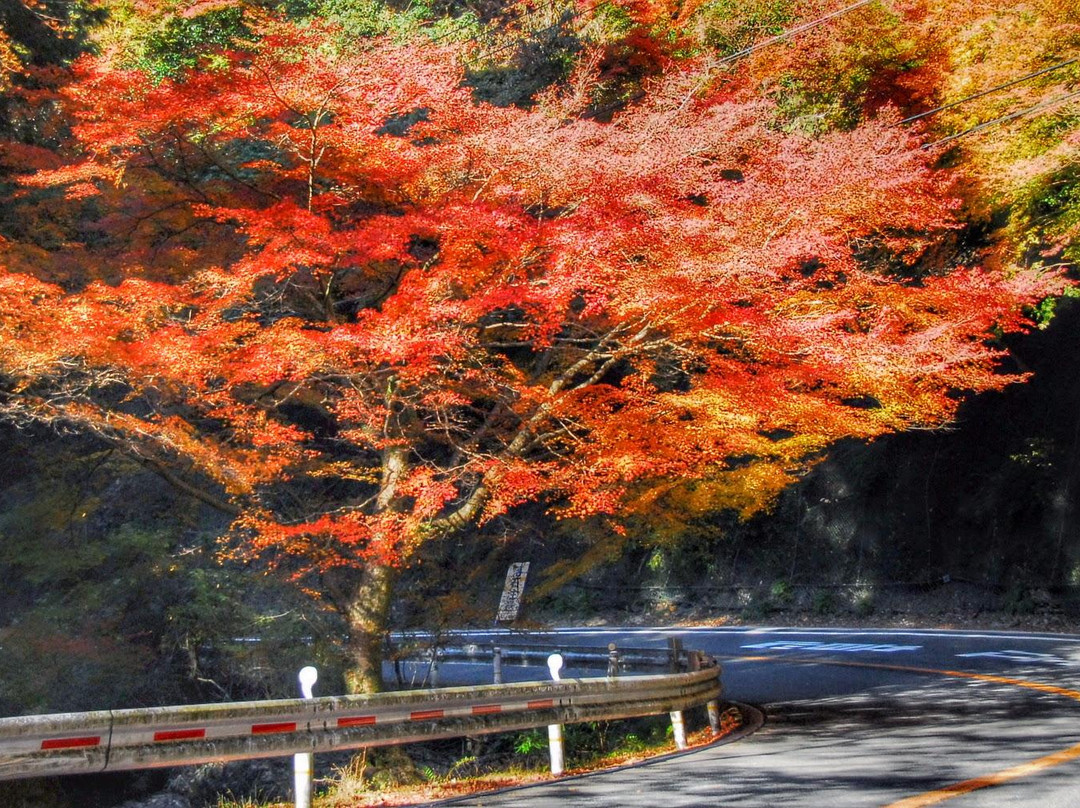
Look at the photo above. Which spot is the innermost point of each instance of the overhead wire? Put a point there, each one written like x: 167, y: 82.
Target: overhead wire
x: 810, y: 24
x: 1005, y: 118
x: 783, y: 35
x: 972, y: 130
x: 792, y: 32
x: 1004, y: 86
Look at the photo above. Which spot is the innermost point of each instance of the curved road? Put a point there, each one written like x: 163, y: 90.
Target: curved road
x: 861, y: 718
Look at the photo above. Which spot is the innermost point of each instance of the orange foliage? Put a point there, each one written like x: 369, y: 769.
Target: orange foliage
x: 341, y: 277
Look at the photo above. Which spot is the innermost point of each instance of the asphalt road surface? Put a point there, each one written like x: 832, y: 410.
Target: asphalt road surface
x: 860, y: 718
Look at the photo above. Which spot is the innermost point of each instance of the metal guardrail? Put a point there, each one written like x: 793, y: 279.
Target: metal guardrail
x: 673, y: 658
x: 116, y: 740
x: 431, y: 651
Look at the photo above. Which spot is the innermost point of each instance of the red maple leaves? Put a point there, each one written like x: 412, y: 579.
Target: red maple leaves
x: 374, y: 310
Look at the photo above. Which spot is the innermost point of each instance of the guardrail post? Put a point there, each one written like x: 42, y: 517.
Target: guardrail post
x: 613, y: 660
x: 303, y: 775
x: 496, y: 665
x: 555, y: 735
x: 675, y: 651
x: 433, y: 668
x: 714, y: 716
x: 679, y: 727
x: 557, y: 749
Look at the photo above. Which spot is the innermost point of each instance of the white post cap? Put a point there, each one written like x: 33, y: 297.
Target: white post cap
x: 308, y: 677
x: 555, y: 663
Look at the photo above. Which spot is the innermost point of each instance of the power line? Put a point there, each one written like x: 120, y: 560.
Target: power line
x: 1006, y: 85
x: 1005, y: 118
x: 706, y: 74
x: 792, y: 32
x: 783, y: 35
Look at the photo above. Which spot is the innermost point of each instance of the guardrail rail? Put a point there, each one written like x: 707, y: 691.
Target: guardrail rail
x: 116, y: 740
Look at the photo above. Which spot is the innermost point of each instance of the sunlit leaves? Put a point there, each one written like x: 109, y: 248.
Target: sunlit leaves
x: 373, y: 310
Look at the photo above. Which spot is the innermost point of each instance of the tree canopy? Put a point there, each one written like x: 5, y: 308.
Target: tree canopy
x: 340, y: 295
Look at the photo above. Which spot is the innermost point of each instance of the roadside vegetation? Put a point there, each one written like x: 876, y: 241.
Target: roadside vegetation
x: 421, y: 773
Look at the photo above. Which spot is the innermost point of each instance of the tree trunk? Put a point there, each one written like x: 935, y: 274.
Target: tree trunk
x: 365, y: 602
x: 367, y: 613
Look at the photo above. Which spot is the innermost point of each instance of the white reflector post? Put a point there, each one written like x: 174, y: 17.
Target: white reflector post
x: 678, y: 727
x: 303, y: 763
x: 555, y: 736
x: 308, y: 677
x: 555, y: 745
x: 555, y: 664
x: 714, y: 716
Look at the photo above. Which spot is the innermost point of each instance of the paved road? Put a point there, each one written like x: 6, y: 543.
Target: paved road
x: 863, y: 718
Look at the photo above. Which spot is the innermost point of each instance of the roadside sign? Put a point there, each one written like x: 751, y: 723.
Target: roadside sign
x: 510, y: 603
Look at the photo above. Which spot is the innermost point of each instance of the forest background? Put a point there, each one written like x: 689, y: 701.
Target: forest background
x: 732, y: 318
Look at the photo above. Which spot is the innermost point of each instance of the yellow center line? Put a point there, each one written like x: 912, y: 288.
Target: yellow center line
x: 996, y: 779
x: 967, y: 786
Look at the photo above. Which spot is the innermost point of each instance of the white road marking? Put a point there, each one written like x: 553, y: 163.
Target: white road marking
x: 833, y: 647
x: 666, y: 631
x: 1018, y: 656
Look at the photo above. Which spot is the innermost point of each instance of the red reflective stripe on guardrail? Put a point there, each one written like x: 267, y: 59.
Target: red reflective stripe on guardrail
x: 71, y: 743
x: 179, y: 735
x: 267, y: 729
x: 424, y: 715
x: 356, y: 721
x: 30, y: 746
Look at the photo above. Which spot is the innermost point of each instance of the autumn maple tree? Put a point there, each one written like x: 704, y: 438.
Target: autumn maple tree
x: 335, y: 295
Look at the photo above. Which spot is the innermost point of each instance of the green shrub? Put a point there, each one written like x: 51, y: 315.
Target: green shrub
x: 1018, y: 600
x: 782, y: 594
x: 184, y: 43
x: 823, y: 602
x: 531, y: 742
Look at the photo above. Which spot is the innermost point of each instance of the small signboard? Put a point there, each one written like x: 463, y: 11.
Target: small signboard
x: 510, y: 603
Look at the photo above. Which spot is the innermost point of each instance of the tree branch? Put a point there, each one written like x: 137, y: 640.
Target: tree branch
x: 181, y: 484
